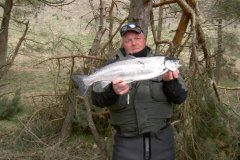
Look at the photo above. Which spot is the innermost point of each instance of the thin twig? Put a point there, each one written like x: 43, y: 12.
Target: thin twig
x: 229, y: 88
x: 164, y: 2
x: 72, y: 56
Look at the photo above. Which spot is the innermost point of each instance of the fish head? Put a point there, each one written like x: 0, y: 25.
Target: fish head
x: 172, y: 63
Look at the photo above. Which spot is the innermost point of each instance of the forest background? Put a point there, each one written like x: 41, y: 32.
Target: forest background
x: 42, y: 43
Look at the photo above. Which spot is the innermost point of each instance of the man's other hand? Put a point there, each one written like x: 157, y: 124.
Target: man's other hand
x: 120, y: 87
x: 170, y: 75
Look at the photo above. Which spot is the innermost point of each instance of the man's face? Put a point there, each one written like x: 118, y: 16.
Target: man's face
x: 133, y: 42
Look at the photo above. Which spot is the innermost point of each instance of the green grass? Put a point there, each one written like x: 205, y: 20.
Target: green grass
x: 29, y: 82
x: 226, y: 82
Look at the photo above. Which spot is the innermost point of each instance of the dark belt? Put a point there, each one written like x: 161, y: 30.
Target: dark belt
x: 167, y: 123
x: 125, y: 133
x: 134, y: 132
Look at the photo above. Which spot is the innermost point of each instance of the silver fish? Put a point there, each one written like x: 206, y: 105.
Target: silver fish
x: 134, y: 69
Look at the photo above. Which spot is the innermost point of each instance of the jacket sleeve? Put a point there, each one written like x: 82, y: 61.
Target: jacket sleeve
x: 104, y: 98
x: 175, y: 90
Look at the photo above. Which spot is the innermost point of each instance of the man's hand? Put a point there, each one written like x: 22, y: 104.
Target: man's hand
x: 120, y: 87
x: 171, y: 75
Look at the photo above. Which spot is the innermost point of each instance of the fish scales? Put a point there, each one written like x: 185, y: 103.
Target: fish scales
x: 129, y: 70
x: 126, y: 69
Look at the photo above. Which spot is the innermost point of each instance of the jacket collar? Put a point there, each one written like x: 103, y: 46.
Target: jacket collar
x: 146, y: 52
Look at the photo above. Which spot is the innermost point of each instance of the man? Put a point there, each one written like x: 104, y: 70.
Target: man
x: 140, y: 111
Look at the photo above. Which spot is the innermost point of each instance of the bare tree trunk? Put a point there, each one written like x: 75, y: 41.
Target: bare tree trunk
x: 202, y: 42
x: 8, y: 63
x: 111, y: 22
x: 159, y: 28
x: 218, y: 58
x: 5, y: 63
x: 101, y: 30
x: 99, y: 141
x: 182, y: 26
x: 95, y: 48
x: 140, y: 13
x: 67, y: 124
x: 7, y: 7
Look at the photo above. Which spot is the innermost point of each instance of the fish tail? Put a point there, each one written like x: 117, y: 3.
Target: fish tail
x: 80, y: 81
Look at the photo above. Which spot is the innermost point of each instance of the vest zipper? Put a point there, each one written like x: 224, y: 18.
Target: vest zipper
x: 128, y: 97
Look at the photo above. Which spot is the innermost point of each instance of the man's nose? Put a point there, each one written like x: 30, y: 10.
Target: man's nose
x: 133, y: 41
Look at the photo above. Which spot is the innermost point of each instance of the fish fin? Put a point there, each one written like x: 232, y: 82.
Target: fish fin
x: 135, y: 58
x: 80, y: 82
x: 139, y: 60
x: 130, y: 57
x: 129, y: 81
x: 157, y: 79
x: 104, y: 83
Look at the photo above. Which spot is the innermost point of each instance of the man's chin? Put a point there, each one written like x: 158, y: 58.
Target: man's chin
x: 135, y: 51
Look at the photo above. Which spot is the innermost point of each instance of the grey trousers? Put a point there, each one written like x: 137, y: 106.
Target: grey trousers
x: 161, y: 146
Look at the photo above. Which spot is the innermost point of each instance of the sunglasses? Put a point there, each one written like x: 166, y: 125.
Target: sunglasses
x: 129, y: 27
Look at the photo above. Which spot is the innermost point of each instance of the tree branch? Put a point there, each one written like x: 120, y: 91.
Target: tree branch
x: 114, y: 34
x: 182, y: 25
x: 164, y: 2
x: 2, y: 5
x: 15, y: 53
x: 58, y: 3
x: 70, y: 57
x: 20, y: 42
x: 229, y: 88
x: 156, y: 40
x: 185, y: 6
x: 101, y: 30
x: 100, y: 143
